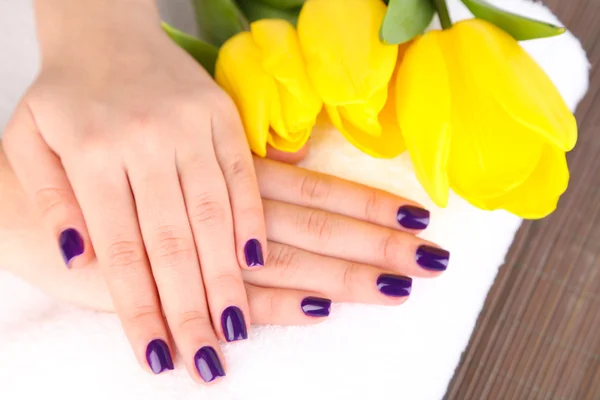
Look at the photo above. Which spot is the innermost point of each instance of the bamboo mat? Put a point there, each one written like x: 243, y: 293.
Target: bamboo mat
x: 538, y: 336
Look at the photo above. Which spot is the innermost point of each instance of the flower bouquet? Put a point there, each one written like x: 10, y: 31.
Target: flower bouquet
x: 475, y: 112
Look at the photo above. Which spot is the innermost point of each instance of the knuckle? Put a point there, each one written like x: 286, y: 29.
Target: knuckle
x: 238, y: 169
x: 314, y: 188
x: 222, y: 104
x: 373, y: 206
x: 206, y: 210
x: 96, y: 149
x: 191, y: 107
x: 212, y: 101
x: 191, y: 320
x: 171, y: 248
x: 271, y: 303
x: 142, y: 315
x: 349, y: 279
x: 282, y: 257
x: 91, y: 143
x: 389, y: 247
x: 226, y: 281
x: 141, y: 121
x: 143, y: 137
x: 50, y: 200
x: 123, y: 254
x: 190, y: 157
x: 317, y: 223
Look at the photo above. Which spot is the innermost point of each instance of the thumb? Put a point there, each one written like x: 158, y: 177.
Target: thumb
x: 288, y: 158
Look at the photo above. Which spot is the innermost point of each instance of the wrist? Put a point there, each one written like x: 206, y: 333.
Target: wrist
x: 73, y: 26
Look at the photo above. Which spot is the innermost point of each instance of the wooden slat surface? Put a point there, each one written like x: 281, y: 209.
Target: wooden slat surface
x: 538, y: 336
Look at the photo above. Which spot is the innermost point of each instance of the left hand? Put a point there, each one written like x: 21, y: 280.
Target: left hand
x: 314, y: 250
x: 133, y: 155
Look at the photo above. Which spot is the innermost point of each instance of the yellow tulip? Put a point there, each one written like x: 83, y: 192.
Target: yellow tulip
x: 478, y: 115
x: 351, y: 69
x: 263, y: 71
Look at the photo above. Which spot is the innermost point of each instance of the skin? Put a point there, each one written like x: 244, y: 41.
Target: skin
x: 328, y: 238
x: 124, y: 138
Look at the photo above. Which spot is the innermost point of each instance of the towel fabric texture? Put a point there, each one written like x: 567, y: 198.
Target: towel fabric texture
x: 49, y: 348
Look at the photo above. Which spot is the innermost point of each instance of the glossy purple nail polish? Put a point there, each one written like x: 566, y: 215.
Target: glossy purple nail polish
x: 208, y: 364
x: 433, y: 258
x: 233, y: 324
x: 316, y: 306
x: 71, y: 245
x: 253, y: 253
x: 158, y: 356
x: 411, y: 217
x: 394, y: 285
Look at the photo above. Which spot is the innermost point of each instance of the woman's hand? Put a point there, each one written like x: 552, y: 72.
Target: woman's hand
x: 132, y: 154
x: 332, y: 239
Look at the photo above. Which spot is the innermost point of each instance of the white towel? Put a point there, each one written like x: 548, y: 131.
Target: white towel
x: 48, y: 348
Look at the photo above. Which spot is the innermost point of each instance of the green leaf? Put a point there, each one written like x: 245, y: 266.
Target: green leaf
x: 281, y: 4
x: 521, y: 28
x: 405, y: 19
x: 204, y: 53
x: 218, y: 20
x: 255, y: 10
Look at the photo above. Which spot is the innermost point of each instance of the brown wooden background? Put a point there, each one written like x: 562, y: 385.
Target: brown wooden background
x: 538, y: 336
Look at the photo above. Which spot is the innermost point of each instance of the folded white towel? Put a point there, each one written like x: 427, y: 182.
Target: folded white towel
x: 48, y: 348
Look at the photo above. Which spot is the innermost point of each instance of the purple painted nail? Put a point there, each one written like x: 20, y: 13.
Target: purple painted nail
x: 394, y: 285
x: 208, y: 364
x: 433, y: 258
x: 233, y: 324
x: 253, y: 253
x: 71, y: 245
x: 158, y: 356
x: 316, y: 306
x: 412, y: 217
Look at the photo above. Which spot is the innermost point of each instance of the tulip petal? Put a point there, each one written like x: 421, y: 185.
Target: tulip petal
x: 365, y: 115
x: 500, y: 66
x: 346, y: 61
x: 389, y: 143
x: 491, y: 153
x: 240, y: 73
x: 538, y: 196
x: 289, y: 146
x: 423, y: 109
x: 283, y: 60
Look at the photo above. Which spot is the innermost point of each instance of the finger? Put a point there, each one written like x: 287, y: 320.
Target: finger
x: 235, y: 159
x: 113, y: 226
x: 43, y: 178
x: 340, y: 280
x: 343, y: 237
x: 288, y: 158
x: 286, y: 307
x: 311, y: 189
x: 210, y: 218
x: 170, y: 246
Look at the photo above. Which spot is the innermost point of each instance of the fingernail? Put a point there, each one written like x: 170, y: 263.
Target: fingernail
x: 433, y: 258
x: 253, y: 253
x: 233, y: 324
x: 208, y: 364
x: 158, y: 356
x: 394, y: 285
x: 316, y: 306
x: 71, y: 245
x: 412, y: 217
